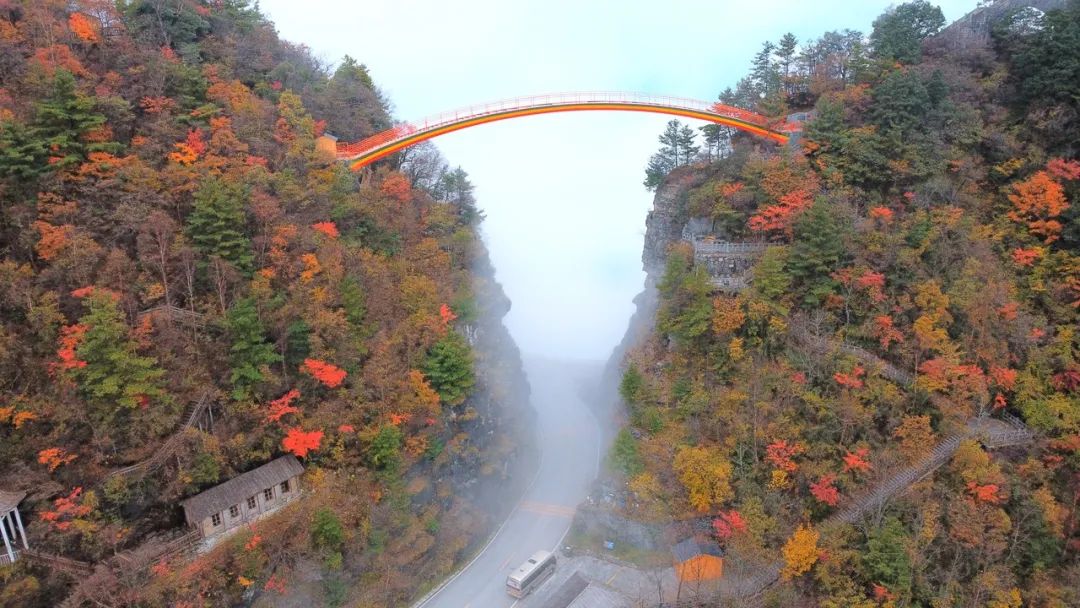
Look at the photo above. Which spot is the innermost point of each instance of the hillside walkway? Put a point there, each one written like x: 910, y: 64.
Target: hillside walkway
x: 990, y: 432
x: 171, y: 445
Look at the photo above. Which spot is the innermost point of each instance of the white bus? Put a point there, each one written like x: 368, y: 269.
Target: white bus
x: 529, y: 575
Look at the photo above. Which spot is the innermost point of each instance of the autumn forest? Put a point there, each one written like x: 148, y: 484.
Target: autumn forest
x: 883, y: 410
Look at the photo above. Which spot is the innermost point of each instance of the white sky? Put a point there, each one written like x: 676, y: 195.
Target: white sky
x: 562, y: 193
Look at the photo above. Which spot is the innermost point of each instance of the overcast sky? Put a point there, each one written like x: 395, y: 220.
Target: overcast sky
x: 562, y: 193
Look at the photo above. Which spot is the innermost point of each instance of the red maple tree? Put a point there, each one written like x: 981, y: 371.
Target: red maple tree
x: 327, y: 373
x: 300, y: 442
x: 283, y: 405
x: 856, y: 461
x: 825, y: 491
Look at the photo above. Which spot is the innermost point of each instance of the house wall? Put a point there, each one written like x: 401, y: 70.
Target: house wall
x: 700, y: 568
x: 262, y: 506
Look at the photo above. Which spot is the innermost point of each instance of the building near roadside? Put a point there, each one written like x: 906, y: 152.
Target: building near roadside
x: 580, y: 592
x: 244, y: 498
x: 698, y: 559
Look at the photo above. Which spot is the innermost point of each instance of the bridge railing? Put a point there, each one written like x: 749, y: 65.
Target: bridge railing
x: 402, y: 130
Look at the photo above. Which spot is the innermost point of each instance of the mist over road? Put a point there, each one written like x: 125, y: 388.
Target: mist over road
x: 570, y: 442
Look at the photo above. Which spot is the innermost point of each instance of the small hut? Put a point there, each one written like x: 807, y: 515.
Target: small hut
x: 244, y: 498
x: 698, y: 560
x: 9, y: 522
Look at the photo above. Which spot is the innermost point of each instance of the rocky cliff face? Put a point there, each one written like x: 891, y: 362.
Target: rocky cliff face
x: 663, y: 228
x: 973, y: 29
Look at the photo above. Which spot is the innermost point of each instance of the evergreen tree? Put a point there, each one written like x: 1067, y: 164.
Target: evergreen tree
x: 785, y: 55
x: 816, y: 252
x: 899, y: 32
x: 717, y: 139
x: 455, y: 188
x: 886, y: 558
x: 54, y: 139
x: 250, y: 352
x: 1045, y: 68
x: 687, y: 146
x: 625, y: 455
x: 297, y: 343
x: 385, y: 451
x: 630, y: 386
x: 63, y: 118
x: 900, y: 103
x: 216, y: 225
x: 115, y: 377
x: 677, y: 146
x: 449, y: 368
x: 764, y: 73
x: 657, y: 169
x: 353, y: 301
x: 22, y: 153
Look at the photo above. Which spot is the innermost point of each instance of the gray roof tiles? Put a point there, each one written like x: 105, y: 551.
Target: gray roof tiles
x: 239, y: 488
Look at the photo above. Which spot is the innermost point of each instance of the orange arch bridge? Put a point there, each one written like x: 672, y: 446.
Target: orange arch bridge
x: 403, y: 135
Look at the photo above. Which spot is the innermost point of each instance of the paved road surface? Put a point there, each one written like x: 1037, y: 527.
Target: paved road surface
x: 570, y: 443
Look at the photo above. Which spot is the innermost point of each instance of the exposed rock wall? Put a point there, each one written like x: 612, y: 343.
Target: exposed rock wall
x: 973, y: 29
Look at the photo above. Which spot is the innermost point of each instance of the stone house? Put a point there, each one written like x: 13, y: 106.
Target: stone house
x: 244, y: 498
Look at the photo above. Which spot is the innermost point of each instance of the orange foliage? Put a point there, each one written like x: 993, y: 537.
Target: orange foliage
x: 885, y: 332
x: 157, y: 105
x: 282, y: 406
x: 327, y: 228
x: 446, y: 315
x: 780, y: 454
x: 397, y: 187
x: 60, y: 57
x: 882, y: 214
x: 346, y: 428
x: 1026, y: 257
x: 66, y: 508
x: 84, y: 28
x: 329, y: 374
x: 253, y: 542
x: 727, y: 524
x: 300, y: 442
x: 53, y: 239
x: 311, y: 267
x: 417, y: 395
x: 70, y: 337
x: 189, y: 150
x: 1004, y: 377
x: 728, y: 190
x: 17, y: 419
x: 781, y: 217
x: 55, y: 458
x: 399, y: 419
x: 1036, y: 201
x: 1008, y: 311
x: 985, y: 493
x: 856, y: 461
x: 852, y: 379
x: 825, y: 491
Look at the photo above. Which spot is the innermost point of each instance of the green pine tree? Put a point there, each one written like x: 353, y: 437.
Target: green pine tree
x: 250, y: 353
x: 115, y: 377
x: 899, y: 31
x: 216, y: 226
x: 886, y: 558
x: 816, y: 252
x: 449, y: 368
x: 63, y: 118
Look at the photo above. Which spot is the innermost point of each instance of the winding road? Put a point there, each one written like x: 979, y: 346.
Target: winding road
x: 570, y: 443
